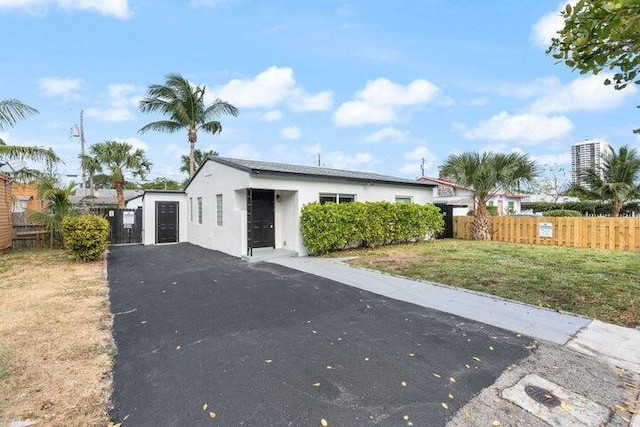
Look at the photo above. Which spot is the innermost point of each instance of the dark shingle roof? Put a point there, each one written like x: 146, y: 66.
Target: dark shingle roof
x: 255, y: 167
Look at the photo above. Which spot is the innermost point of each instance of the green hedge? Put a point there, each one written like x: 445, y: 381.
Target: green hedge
x: 85, y: 236
x: 562, y: 212
x: 328, y: 227
x: 585, y: 208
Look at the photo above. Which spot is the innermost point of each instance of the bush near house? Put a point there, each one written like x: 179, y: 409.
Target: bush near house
x: 329, y: 227
x: 85, y: 236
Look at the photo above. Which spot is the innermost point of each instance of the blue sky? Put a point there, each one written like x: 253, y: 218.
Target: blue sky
x: 371, y: 85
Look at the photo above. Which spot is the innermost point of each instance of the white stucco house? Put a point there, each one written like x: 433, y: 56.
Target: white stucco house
x: 236, y: 206
x: 463, y: 199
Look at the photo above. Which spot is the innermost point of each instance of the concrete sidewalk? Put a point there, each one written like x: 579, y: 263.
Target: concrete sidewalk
x: 578, y: 359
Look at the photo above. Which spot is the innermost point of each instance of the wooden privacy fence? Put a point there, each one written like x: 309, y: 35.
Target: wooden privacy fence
x: 621, y: 234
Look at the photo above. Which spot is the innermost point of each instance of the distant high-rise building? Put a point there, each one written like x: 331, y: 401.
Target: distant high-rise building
x: 586, y: 155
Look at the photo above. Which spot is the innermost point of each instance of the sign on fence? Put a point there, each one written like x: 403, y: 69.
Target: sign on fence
x: 545, y: 229
x: 128, y: 218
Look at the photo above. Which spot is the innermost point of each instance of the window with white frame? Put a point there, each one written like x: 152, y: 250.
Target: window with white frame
x: 406, y: 200
x: 336, y: 198
x: 199, y: 210
x: 190, y: 209
x: 219, y: 210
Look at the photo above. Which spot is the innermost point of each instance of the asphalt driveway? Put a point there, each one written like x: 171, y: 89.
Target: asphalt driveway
x: 206, y: 339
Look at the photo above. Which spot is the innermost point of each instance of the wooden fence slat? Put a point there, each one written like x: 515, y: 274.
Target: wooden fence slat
x: 621, y: 234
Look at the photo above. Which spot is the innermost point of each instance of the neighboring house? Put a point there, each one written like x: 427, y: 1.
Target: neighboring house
x: 5, y: 212
x: 450, y: 193
x: 548, y: 198
x: 235, y: 206
x: 25, y: 197
x: 102, y: 197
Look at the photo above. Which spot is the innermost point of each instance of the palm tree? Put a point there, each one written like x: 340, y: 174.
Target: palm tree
x: 184, y: 105
x: 199, y: 156
x: 57, y: 204
x: 118, y: 158
x: 12, y: 111
x: 487, y: 174
x: 616, y: 180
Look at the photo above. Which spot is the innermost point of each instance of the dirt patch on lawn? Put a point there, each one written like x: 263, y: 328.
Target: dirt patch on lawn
x: 55, y: 340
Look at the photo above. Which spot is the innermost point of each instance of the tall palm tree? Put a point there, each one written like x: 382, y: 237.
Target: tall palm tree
x: 12, y: 111
x: 118, y: 158
x: 199, y: 156
x: 185, y: 108
x: 617, y: 180
x: 487, y: 174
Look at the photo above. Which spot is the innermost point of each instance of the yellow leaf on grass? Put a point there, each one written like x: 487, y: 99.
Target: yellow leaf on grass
x: 324, y: 422
x: 495, y: 423
x: 316, y: 384
x: 268, y: 360
x: 450, y: 396
x: 467, y: 415
x: 436, y: 375
x: 205, y: 406
x: 404, y: 383
x: 405, y: 417
x: 212, y: 415
x: 451, y: 379
x: 444, y: 405
x: 411, y: 354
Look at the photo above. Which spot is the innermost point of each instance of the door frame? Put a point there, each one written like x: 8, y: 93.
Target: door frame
x: 177, y: 233
x: 251, y: 217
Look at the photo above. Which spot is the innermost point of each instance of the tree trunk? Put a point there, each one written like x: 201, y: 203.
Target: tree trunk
x: 119, y: 184
x: 193, y: 137
x: 481, y: 227
x: 616, y: 207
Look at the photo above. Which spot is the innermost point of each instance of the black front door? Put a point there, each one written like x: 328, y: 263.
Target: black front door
x: 166, y: 222
x: 262, y: 218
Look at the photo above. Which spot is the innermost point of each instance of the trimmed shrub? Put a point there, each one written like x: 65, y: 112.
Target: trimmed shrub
x: 329, y: 227
x: 85, y: 236
x: 562, y: 212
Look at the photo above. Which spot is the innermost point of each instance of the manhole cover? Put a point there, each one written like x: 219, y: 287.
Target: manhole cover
x: 542, y: 395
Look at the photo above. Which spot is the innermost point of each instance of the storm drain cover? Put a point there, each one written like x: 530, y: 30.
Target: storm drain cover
x: 542, y: 395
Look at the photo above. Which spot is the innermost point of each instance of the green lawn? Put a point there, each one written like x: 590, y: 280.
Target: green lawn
x: 601, y: 284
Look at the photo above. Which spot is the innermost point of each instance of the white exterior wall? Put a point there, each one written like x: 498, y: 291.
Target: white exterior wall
x: 134, y: 203
x: 292, y: 192
x: 149, y: 215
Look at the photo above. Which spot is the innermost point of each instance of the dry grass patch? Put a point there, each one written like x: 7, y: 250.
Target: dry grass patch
x: 55, y: 340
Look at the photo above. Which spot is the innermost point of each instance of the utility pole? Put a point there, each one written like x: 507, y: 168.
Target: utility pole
x: 422, y: 167
x: 80, y: 133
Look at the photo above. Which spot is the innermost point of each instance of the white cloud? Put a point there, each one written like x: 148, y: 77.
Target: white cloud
x: 538, y: 87
x: 321, y: 101
x: 136, y: 143
x: 292, y: 133
x: 548, y: 26
x: 117, y: 8
x: 532, y: 128
x: 583, y: 94
x: 65, y: 87
x: 353, y: 113
x: 271, y: 116
x: 387, y: 134
x: 381, y: 99
x: 121, y: 100
x: 340, y: 160
x: 270, y: 88
x: 415, y: 157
